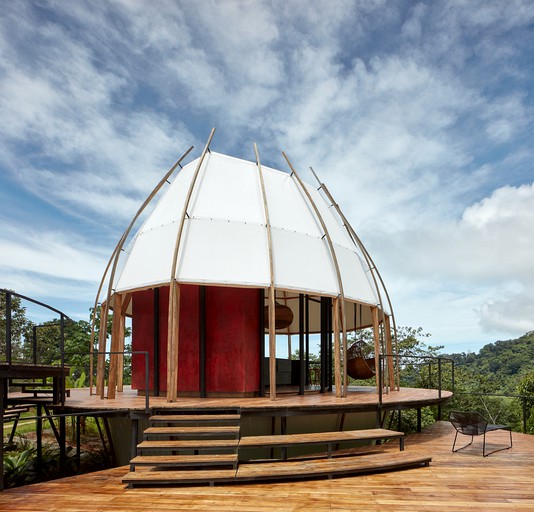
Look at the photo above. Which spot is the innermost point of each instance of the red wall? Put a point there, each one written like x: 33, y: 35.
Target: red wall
x: 232, y: 344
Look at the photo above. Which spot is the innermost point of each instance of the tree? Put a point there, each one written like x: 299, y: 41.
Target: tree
x: 20, y: 328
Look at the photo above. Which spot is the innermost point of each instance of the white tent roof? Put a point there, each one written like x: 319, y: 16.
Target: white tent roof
x: 225, y: 242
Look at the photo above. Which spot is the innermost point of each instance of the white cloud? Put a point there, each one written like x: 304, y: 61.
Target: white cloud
x: 60, y: 255
x: 417, y: 118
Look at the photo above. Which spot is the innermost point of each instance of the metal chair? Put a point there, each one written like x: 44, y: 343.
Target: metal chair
x: 474, y: 424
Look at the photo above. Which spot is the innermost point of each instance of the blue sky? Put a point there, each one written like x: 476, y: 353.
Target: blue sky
x: 417, y: 115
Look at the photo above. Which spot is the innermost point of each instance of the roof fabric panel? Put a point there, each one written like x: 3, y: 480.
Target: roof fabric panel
x: 356, y: 284
x: 170, y: 206
x: 288, y: 209
x: 303, y: 262
x: 228, y: 189
x: 149, y: 258
x: 224, y: 240
x: 224, y: 252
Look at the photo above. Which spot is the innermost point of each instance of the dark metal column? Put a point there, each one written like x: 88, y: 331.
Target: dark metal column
x: 62, y: 348
x: 324, y: 355
x: 302, y: 366
x: 8, y: 328
x: 2, y: 405
x: 39, y: 438
x: 329, y: 342
x: 156, y: 343
x: 202, y: 339
x: 261, y: 334
x: 307, y: 320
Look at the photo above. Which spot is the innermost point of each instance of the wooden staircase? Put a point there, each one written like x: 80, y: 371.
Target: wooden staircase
x: 190, y: 444
x: 199, y: 447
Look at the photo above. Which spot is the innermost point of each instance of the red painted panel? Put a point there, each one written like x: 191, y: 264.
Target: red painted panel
x: 232, y: 348
x: 232, y: 325
x: 142, y: 336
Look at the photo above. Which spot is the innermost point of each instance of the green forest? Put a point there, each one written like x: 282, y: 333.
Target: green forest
x: 498, y: 381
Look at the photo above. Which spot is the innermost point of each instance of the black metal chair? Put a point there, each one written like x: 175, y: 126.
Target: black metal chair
x: 474, y: 424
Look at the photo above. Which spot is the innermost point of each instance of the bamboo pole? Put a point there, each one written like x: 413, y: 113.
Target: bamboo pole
x: 389, y: 351
x: 172, y: 343
x: 114, y: 259
x: 120, y: 366
x: 174, y: 297
x: 337, y: 362
x: 376, y: 337
x: 115, y: 345
x: 272, y: 292
x: 370, y: 263
x: 338, y: 274
x: 102, y: 345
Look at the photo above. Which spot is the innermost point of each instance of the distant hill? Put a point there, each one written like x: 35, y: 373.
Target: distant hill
x: 503, y: 359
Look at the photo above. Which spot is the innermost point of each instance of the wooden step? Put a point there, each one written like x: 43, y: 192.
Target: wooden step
x: 192, y: 431
x: 320, y: 438
x: 193, y: 444
x: 295, y: 469
x: 219, y: 459
x: 195, y: 418
x: 179, y: 477
x: 329, y: 467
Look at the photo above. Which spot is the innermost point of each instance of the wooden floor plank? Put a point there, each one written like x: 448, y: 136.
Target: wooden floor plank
x: 185, y: 460
x: 194, y: 418
x: 193, y: 444
x: 453, y: 482
x: 319, y: 437
x: 192, y: 431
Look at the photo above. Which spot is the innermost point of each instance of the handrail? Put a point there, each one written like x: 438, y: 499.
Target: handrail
x: 523, y: 398
x: 431, y: 359
x: 63, y: 317
x: 124, y: 352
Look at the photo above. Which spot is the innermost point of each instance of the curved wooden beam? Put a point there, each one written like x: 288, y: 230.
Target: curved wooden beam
x: 272, y: 292
x: 115, y: 258
x: 174, y: 297
x: 339, y: 392
x: 372, y: 267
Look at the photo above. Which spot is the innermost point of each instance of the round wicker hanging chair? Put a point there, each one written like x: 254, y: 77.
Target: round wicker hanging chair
x: 358, y: 365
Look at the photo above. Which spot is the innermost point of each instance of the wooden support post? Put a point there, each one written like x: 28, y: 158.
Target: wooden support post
x: 172, y: 342
x: 115, y: 345
x: 376, y: 335
x: 337, y: 350
x: 272, y: 291
x: 102, y: 342
x: 120, y: 368
x: 389, y: 350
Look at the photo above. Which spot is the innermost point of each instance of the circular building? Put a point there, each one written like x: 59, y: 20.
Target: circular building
x: 231, y: 253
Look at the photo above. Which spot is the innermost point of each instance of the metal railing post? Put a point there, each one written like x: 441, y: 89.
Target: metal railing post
x: 380, y: 379
x: 8, y: 327
x: 524, y: 404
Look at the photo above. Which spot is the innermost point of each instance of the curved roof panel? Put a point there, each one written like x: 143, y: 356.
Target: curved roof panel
x: 224, y: 239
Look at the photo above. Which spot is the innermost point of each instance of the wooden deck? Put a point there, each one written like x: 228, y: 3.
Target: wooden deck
x: 358, y: 399
x: 453, y: 482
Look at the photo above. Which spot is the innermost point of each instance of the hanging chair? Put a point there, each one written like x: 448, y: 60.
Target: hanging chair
x: 282, y: 314
x: 359, y: 366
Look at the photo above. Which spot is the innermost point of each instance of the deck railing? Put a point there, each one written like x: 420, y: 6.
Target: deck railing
x: 123, y: 353
x: 524, y: 400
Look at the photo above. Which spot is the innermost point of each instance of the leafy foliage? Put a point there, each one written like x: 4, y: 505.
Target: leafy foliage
x: 20, y: 328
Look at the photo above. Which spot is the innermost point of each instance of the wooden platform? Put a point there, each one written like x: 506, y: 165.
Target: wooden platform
x: 359, y: 399
x: 453, y: 482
